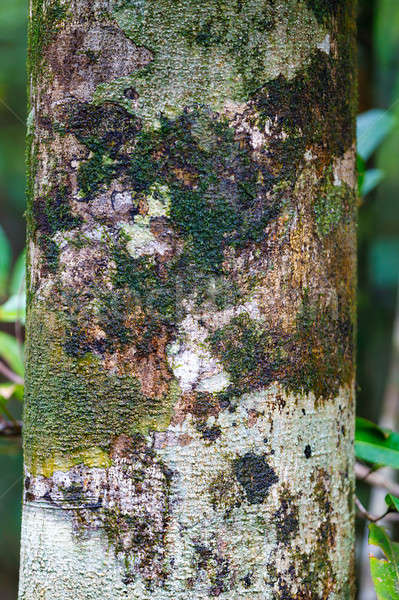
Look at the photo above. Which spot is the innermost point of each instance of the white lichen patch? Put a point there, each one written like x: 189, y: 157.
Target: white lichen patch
x: 194, y: 367
x: 189, y: 355
x: 121, y: 201
x: 158, y: 200
x: 84, y: 256
x: 257, y: 139
x: 343, y: 169
x: 30, y: 121
x: 325, y: 44
x: 269, y: 129
x: 142, y: 240
x: 309, y: 156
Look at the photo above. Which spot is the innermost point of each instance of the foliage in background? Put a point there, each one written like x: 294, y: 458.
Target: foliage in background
x: 372, y: 127
x: 379, y: 447
x: 13, y: 20
x: 12, y: 110
x: 384, y: 571
x: 12, y: 310
x: 376, y: 446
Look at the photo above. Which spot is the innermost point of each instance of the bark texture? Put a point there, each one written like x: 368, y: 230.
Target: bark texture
x: 191, y: 300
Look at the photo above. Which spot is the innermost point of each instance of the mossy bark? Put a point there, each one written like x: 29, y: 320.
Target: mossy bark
x: 191, y: 300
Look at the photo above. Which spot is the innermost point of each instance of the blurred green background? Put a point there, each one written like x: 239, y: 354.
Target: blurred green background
x: 378, y: 43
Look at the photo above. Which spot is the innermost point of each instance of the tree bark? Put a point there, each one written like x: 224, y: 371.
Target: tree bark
x: 188, y: 425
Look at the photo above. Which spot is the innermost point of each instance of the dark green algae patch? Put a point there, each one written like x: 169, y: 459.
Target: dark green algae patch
x: 317, y: 357
x: 214, y: 184
x: 74, y: 404
x: 217, y: 197
x: 50, y: 214
x: 325, y: 9
x: 315, y: 110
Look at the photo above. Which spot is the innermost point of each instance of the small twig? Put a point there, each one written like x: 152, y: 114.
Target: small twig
x: 373, y: 478
x: 8, y: 428
x: 4, y: 370
x: 366, y: 515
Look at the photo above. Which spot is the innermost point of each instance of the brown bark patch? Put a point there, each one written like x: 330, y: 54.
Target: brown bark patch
x: 82, y: 57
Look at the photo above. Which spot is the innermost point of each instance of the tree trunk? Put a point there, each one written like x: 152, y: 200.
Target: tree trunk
x: 191, y: 300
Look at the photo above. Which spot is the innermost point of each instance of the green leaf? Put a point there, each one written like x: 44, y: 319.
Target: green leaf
x: 364, y: 427
x: 378, y: 537
x: 371, y: 179
x: 19, y: 392
x: 376, y: 445
x: 17, y: 283
x: 372, y: 127
x: 385, y: 580
x: 392, y: 502
x: 385, y: 573
x: 5, y: 261
x: 377, y: 454
x: 14, y: 309
x: 12, y: 352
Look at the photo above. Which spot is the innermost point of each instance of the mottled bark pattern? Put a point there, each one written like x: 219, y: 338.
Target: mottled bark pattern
x: 191, y: 306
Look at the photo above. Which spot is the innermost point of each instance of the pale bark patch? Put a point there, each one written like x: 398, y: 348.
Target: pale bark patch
x: 226, y: 531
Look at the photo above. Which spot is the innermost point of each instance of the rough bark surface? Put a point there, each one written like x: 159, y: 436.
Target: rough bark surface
x: 191, y: 300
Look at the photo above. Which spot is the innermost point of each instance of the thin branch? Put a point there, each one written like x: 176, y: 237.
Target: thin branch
x: 9, y: 428
x: 4, y: 370
x: 373, y: 478
x: 366, y: 515
x: 12, y: 111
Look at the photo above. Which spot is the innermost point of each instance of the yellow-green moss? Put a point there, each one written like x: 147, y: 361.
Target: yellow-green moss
x: 73, y: 405
x: 335, y: 203
x: 91, y: 457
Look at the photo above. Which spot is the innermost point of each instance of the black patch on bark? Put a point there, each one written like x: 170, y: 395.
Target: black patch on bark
x: 286, y: 519
x: 255, y: 476
x: 130, y: 93
x: 315, y: 109
x: 216, y: 566
x: 308, y: 451
x: 210, y: 433
x: 247, y: 580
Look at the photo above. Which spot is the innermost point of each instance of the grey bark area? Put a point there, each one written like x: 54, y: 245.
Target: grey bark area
x: 188, y: 427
